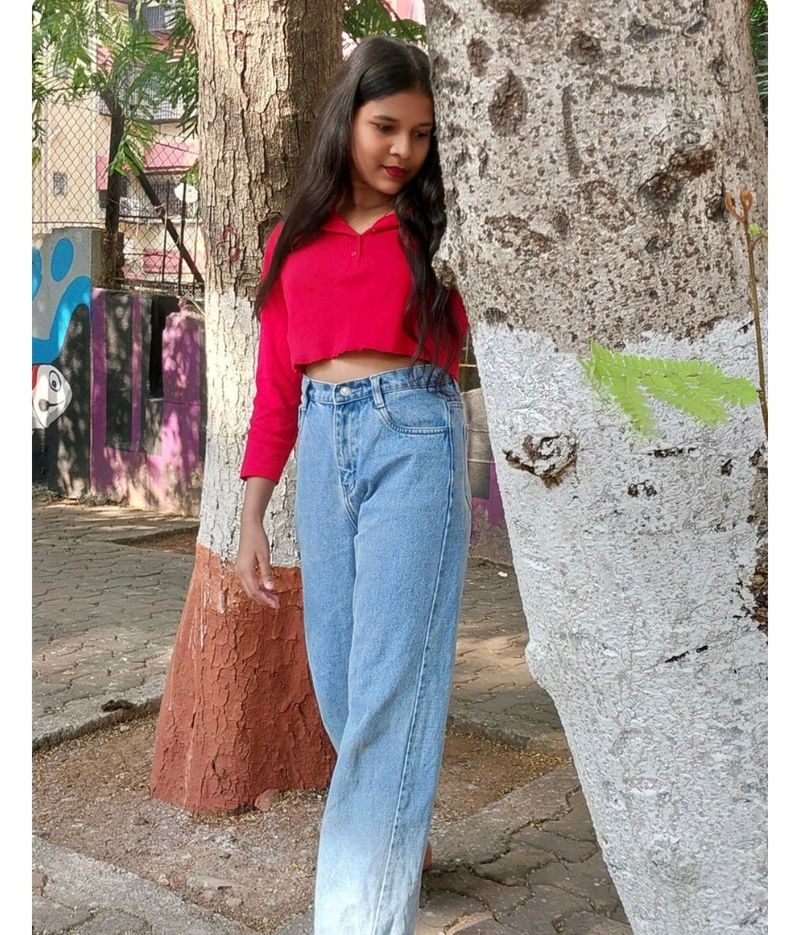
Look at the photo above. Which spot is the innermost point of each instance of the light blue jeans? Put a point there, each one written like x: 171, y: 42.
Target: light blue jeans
x: 383, y: 515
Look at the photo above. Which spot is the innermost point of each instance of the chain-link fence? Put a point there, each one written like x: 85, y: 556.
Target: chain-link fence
x: 159, y: 222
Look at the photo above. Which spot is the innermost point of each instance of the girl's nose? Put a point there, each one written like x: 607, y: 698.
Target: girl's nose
x: 401, y: 148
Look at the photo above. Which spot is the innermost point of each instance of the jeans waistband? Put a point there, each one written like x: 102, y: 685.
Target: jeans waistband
x: 374, y: 385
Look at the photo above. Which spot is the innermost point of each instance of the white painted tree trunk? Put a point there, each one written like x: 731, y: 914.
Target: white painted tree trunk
x: 263, y: 69
x: 586, y: 150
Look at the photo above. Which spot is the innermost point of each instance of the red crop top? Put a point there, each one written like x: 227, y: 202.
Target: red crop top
x: 345, y: 291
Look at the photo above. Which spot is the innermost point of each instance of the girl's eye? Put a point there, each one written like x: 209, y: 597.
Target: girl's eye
x: 384, y: 128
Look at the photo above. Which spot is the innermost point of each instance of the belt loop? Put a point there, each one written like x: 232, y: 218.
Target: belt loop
x: 377, y: 393
x: 304, y: 382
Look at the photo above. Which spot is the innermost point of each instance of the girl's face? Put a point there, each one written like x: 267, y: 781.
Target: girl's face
x: 393, y: 131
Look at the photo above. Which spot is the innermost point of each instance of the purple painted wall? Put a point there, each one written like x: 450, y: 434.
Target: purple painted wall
x: 152, y: 454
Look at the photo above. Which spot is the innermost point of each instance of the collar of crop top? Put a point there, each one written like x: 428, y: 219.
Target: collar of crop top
x: 337, y: 224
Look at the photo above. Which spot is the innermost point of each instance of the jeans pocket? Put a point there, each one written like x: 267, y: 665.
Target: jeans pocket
x: 415, y: 411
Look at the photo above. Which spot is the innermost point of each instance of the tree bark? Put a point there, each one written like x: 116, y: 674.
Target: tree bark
x: 112, y: 238
x: 239, y: 716
x: 586, y: 150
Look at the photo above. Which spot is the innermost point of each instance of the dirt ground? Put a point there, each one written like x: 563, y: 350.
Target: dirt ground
x: 91, y: 795
x: 183, y: 541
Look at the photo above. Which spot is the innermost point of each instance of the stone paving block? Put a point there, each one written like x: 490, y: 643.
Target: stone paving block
x: 497, y: 703
x: 577, y: 824
x: 52, y: 918
x: 619, y: 915
x: 114, y: 922
x: 565, y: 848
x: 468, y: 922
x: 484, y: 927
x: 443, y: 909
x: 515, y: 866
x: 546, y: 905
x: 589, y: 880
x: 489, y: 928
x: 587, y: 923
x: 478, y: 839
x: 38, y: 881
x: 73, y: 693
x: 499, y: 897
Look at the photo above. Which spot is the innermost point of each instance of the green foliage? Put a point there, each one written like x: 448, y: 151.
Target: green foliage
x: 372, y: 17
x: 696, y: 387
x: 139, y: 76
x: 130, y: 73
x: 192, y: 176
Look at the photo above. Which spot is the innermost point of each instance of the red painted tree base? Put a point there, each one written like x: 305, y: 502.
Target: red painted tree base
x: 238, y: 717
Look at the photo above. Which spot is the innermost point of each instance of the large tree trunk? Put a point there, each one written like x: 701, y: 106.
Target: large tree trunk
x: 239, y: 715
x: 586, y: 149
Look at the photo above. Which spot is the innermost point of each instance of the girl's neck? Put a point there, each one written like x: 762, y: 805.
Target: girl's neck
x: 352, y: 206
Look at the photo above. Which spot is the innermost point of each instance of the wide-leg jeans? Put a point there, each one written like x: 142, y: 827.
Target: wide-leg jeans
x: 383, y: 513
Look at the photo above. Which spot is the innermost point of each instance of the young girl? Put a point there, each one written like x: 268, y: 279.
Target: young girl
x: 357, y: 363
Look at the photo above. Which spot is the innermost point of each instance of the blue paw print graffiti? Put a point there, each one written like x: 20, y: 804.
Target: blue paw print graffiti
x: 51, y: 393
x: 77, y: 292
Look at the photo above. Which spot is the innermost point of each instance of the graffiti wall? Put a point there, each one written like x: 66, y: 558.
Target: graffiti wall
x: 60, y: 395
x: 118, y: 382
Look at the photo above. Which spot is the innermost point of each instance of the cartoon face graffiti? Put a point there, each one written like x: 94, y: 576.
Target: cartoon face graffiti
x: 51, y: 395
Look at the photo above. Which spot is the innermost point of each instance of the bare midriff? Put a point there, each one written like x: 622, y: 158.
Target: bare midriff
x: 354, y: 364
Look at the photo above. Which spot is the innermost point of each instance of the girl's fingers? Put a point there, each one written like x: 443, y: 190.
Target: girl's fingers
x: 267, y: 583
x: 252, y: 586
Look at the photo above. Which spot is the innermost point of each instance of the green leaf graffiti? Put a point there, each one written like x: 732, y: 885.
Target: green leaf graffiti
x: 696, y: 387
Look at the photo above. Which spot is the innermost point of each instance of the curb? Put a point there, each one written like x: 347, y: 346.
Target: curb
x: 81, y: 717
x: 77, y: 889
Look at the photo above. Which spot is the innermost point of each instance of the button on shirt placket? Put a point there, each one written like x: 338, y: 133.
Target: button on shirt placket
x: 355, y: 250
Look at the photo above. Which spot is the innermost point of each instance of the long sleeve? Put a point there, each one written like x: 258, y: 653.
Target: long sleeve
x: 273, y: 424
x: 460, y: 313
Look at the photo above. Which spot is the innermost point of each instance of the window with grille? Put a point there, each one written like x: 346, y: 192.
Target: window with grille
x: 164, y: 187
x: 59, y: 183
x: 155, y: 18
x: 102, y: 195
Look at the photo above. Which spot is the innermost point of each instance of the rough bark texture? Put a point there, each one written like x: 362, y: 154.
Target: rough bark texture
x: 236, y: 717
x: 586, y: 150
x: 238, y: 709
x: 263, y: 69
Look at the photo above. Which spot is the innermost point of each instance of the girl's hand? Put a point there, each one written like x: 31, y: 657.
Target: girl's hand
x: 253, y: 567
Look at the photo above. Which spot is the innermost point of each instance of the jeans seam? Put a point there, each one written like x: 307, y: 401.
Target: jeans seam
x: 345, y: 499
x: 409, y: 743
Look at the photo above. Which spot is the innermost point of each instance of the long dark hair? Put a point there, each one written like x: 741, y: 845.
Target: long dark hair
x: 377, y: 67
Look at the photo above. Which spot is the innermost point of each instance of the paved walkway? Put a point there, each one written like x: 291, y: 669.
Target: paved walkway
x: 104, y: 622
